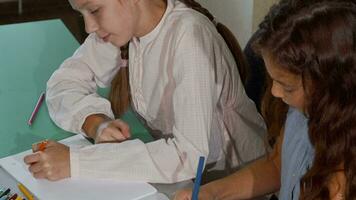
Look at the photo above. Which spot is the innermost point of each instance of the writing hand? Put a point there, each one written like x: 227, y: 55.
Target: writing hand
x: 53, y: 163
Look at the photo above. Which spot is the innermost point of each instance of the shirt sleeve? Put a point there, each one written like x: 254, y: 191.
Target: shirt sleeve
x: 174, y: 159
x: 71, y: 90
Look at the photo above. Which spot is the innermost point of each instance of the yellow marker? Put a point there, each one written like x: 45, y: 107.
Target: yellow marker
x: 25, y: 192
x: 19, y: 198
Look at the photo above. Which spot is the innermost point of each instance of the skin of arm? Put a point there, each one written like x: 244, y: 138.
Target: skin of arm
x: 259, y: 178
x: 92, y: 123
x: 337, y: 185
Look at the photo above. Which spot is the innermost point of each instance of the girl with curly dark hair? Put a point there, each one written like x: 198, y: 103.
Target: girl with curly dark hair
x: 310, y: 56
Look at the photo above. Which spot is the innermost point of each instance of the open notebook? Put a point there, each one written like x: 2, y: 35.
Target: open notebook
x: 72, y: 189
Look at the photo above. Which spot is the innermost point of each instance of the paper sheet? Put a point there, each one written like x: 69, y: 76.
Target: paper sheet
x: 71, y: 188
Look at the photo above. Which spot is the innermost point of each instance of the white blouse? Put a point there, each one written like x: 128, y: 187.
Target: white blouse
x: 184, y: 82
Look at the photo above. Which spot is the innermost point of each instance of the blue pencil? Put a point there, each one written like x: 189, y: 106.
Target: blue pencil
x: 198, y: 178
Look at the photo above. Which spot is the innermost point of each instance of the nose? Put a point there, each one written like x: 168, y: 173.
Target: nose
x: 90, y: 24
x: 276, y: 90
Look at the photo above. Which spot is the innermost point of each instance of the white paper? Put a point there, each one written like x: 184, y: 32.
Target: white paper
x: 72, y: 189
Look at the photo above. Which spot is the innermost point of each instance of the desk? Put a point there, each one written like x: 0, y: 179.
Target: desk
x: 29, y: 54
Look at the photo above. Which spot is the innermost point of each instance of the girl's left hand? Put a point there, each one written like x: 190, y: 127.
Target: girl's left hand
x: 53, y: 163
x: 185, y: 194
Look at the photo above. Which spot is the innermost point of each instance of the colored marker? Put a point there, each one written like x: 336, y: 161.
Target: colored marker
x: 35, y: 110
x: 43, y: 145
x: 25, y: 192
x: 19, y: 198
x: 13, y: 197
x: 6, y: 197
x: 198, y: 178
x: 40, y: 146
x: 5, y: 193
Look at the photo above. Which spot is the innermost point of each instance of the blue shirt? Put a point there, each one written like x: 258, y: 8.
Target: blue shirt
x: 297, y: 154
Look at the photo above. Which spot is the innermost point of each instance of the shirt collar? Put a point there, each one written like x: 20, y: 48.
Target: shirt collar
x: 144, y: 40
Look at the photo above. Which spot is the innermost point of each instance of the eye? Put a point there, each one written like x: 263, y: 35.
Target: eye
x: 289, y: 90
x: 94, y: 11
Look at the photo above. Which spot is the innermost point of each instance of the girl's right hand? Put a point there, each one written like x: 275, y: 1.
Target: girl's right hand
x: 112, y: 131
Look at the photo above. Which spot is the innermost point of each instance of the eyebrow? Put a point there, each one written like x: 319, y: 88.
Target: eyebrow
x: 280, y: 82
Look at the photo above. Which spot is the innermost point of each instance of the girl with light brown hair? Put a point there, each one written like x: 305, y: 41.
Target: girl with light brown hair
x: 178, y: 75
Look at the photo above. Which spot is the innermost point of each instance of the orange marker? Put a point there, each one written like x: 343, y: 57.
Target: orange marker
x: 41, y: 146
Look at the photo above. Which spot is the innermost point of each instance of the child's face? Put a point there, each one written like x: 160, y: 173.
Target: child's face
x: 112, y: 20
x: 286, y: 85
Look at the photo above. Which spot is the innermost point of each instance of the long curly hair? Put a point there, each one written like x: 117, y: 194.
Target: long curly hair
x: 318, y: 42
